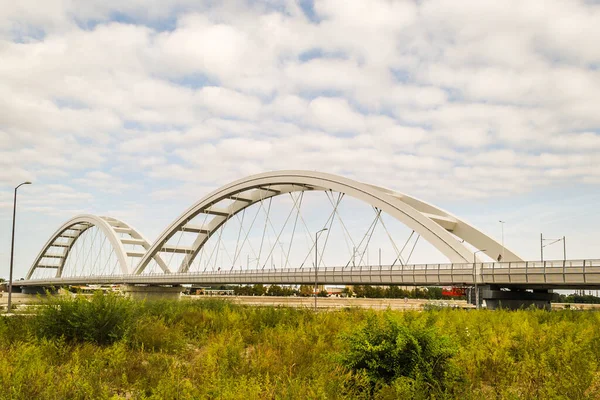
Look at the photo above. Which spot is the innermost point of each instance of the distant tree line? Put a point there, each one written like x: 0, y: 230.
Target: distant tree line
x: 376, y: 292
x: 275, y: 290
x: 367, y: 291
x: 395, y: 292
x: 579, y: 299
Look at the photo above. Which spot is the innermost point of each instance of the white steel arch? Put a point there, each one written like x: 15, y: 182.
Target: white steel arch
x: 457, y: 226
x: 62, y: 241
x: 432, y: 223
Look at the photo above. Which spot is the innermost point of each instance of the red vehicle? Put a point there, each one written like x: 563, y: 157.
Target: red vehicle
x: 454, y: 292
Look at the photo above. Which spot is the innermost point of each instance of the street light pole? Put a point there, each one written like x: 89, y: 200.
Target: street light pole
x: 12, y: 248
x: 475, y: 278
x: 317, y: 263
x: 542, y: 247
x: 502, y: 222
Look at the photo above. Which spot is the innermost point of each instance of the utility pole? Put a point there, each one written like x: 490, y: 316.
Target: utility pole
x: 317, y: 263
x: 12, y: 248
x: 502, y: 223
x: 475, y: 277
x: 542, y: 247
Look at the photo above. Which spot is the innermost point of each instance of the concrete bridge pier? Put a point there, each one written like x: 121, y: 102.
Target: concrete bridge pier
x: 152, y: 292
x: 41, y: 290
x: 516, y: 299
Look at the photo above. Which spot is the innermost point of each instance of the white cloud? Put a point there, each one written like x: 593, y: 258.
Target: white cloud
x: 104, y: 182
x: 586, y: 141
x: 289, y: 106
x: 229, y: 103
x: 445, y: 99
x: 335, y: 114
x: 388, y: 73
x: 200, y: 45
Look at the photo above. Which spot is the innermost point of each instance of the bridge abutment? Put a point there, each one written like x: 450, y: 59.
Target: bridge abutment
x: 148, y: 292
x: 516, y: 299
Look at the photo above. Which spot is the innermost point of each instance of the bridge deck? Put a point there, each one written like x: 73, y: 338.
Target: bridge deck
x: 532, y: 274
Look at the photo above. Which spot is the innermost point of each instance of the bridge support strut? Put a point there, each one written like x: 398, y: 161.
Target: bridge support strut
x: 517, y: 298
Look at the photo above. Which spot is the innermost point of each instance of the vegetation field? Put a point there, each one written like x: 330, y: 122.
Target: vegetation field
x: 111, y: 347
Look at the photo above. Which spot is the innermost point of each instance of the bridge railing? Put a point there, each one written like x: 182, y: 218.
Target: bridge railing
x: 530, y: 272
x: 538, y: 272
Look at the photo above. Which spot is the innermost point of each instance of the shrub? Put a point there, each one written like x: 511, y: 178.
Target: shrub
x: 101, y: 319
x: 386, y: 351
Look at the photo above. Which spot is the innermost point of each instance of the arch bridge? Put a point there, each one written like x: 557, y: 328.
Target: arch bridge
x: 240, y: 218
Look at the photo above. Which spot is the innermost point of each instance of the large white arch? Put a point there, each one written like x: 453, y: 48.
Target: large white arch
x: 433, y: 224
x: 458, y: 227
x: 65, y: 237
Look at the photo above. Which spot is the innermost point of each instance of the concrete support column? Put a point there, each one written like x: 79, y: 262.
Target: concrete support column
x: 139, y: 292
x: 517, y: 298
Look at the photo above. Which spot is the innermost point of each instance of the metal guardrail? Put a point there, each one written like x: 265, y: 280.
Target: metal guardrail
x: 569, y: 273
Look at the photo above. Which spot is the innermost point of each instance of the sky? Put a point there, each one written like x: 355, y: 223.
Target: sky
x: 136, y: 109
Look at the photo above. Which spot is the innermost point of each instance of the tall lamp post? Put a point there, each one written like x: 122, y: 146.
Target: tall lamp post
x: 12, y: 248
x: 475, y: 277
x: 502, y: 222
x: 317, y: 262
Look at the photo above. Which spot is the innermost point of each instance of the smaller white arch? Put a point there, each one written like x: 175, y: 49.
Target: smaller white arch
x: 72, y: 231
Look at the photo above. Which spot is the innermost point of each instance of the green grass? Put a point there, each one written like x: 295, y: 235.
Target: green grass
x: 110, y: 347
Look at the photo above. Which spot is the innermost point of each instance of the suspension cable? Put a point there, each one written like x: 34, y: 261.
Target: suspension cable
x: 363, y: 239
x: 202, y: 252
x: 378, y: 211
x: 247, y: 233
x: 237, y: 242
x: 413, y: 248
x: 264, y: 231
x: 332, y: 215
x: 277, y: 242
x: 345, y: 230
x: 329, y: 227
x: 402, y: 250
x: 301, y: 196
x: 398, y: 252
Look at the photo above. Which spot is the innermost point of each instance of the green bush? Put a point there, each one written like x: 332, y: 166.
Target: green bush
x: 102, y: 318
x: 388, y: 351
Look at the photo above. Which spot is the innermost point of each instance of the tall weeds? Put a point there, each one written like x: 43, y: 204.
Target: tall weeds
x: 102, y: 319
x: 111, y: 347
